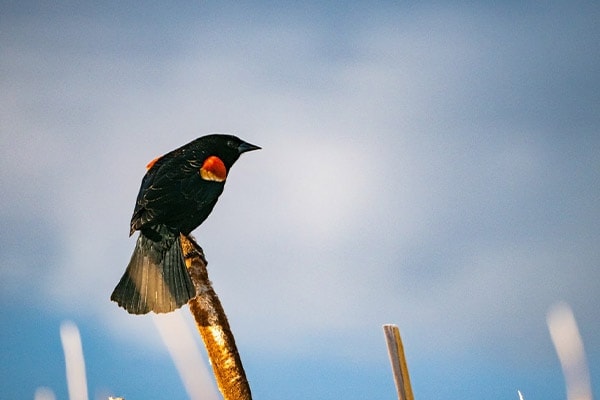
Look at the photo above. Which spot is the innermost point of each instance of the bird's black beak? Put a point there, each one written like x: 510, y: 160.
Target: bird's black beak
x: 244, y: 147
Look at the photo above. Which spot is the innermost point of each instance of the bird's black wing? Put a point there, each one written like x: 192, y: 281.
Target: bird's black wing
x: 174, y: 194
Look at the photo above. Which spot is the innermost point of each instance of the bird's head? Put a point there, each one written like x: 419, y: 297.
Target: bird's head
x: 218, y: 153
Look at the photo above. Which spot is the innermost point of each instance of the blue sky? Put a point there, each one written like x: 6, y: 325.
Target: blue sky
x: 432, y: 165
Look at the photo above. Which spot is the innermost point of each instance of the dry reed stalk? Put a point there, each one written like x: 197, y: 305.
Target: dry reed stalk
x: 213, y: 326
x: 398, y: 361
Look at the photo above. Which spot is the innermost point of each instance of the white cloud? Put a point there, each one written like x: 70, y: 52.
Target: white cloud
x: 395, y: 185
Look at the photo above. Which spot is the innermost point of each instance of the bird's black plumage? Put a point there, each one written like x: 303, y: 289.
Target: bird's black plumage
x: 177, y: 194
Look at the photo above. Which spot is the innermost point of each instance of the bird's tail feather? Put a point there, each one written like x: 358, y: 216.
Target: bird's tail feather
x: 156, y: 278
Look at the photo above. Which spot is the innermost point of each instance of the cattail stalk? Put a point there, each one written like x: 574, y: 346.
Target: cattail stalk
x: 398, y: 361
x: 213, y: 326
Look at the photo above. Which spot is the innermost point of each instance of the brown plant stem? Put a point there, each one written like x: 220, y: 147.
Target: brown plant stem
x: 398, y: 362
x: 213, y: 327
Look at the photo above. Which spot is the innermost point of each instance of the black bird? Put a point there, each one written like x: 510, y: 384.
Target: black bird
x: 177, y: 194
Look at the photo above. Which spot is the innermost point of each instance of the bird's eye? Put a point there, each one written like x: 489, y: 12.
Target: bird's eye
x: 231, y: 143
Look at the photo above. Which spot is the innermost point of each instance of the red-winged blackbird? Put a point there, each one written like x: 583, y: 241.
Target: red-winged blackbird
x: 177, y: 193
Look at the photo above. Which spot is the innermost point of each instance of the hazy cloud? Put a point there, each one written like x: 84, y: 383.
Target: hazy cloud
x: 428, y: 166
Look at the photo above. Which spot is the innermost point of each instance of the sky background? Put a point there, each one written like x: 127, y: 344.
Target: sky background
x: 428, y: 164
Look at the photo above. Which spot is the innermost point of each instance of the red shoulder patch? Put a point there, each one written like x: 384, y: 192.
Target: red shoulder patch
x: 213, y: 169
x: 151, y: 163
